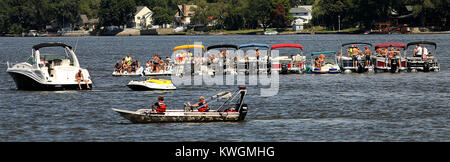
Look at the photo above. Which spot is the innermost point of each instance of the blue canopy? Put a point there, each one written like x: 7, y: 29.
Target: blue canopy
x: 253, y: 45
x: 326, y: 52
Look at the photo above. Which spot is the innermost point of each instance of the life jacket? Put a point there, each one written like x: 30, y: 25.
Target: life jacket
x: 203, y: 108
x: 162, y: 106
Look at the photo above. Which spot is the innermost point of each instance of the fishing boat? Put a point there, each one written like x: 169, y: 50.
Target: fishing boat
x: 260, y: 65
x: 233, y: 109
x: 185, y: 62
x: 228, y: 64
x: 287, y: 65
x: 330, y: 65
x: 49, y: 71
x: 382, y: 61
x: 345, y: 60
x: 424, y: 63
x: 151, y: 84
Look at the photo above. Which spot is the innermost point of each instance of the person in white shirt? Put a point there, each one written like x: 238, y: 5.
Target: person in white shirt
x: 418, y: 51
x: 425, y: 52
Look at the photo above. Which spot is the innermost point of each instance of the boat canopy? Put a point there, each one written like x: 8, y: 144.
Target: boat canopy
x: 385, y: 45
x: 188, y: 46
x: 287, y: 46
x: 50, y: 44
x: 422, y: 42
x: 361, y: 43
x: 325, y: 52
x: 222, y: 46
x: 254, y: 45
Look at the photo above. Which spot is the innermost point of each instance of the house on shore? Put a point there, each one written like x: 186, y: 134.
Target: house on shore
x: 142, y: 19
x: 302, y: 15
x: 184, y: 15
x: 87, y: 24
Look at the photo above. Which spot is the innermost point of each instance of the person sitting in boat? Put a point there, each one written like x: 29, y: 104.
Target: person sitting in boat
x: 368, y: 53
x: 79, y: 77
x: 159, y: 106
x: 378, y: 52
x: 135, y: 66
x: 124, y: 65
x: 317, y: 64
x: 418, y: 51
x: 322, y: 59
x: 202, y: 106
x: 118, y: 67
x: 425, y: 52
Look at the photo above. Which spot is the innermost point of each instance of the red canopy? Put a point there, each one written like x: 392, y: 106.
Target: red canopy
x: 287, y: 46
x: 385, y: 45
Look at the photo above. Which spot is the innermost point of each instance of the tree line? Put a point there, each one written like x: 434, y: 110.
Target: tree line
x: 366, y: 13
x: 17, y: 16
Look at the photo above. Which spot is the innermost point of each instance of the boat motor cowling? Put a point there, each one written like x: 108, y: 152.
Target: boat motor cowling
x: 284, y: 68
x: 394, y: 65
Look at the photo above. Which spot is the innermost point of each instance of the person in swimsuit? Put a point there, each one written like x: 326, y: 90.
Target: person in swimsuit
x: 156, y: 61
x: 368, y: 53
x: 79, y: 77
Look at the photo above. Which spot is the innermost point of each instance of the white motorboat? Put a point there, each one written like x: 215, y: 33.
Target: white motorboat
x: 165, y: 72
x: 44, y: 71
x: 271, y: 32
x: 151, y: 84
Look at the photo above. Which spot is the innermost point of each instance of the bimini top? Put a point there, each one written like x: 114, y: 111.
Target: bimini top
x: 287, y: 46
x: 222, y: 46
x: 422, y: 42
x: 385, y: 45
x: 253, y: 45
x: 188, y: 46
x: 346, y: 44
x: 50, y: 44
x: 325, y: 52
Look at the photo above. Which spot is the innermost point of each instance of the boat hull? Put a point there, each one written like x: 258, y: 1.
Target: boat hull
x: 180, y: 116
x: 145, y: 86
x: 24, y: 82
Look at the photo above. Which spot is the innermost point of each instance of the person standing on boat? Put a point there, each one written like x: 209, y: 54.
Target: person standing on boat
x: 425, y: 52
x: 160, y: 105
x: 79, y: 77
x: 202, y: 106
x: 156, y: 60
x: 368, y: 53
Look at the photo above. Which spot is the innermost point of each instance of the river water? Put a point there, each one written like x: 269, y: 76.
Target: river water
x: 342, y: 107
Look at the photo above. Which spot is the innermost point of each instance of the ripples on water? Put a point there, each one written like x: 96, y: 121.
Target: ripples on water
x: 343, y: 107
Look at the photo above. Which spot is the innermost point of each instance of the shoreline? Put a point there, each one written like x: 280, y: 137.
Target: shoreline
x: 224, y: 33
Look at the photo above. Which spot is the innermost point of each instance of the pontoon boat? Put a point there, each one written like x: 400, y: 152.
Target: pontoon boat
x: 286, y: 64
x: 262, y: 64
x: 345, y: 61
x: 384, y: 63
x: 227, y: 64
x: 425, y: 62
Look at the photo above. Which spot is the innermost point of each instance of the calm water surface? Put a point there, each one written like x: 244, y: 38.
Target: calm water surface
x: 343, y: 107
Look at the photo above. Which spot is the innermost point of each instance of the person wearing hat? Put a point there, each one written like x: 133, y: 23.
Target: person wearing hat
x: 202, y: 106
x: 368, y: 53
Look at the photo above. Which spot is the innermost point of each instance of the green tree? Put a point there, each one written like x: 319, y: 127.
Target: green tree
x: 162, y: 16
x: 116, y: 12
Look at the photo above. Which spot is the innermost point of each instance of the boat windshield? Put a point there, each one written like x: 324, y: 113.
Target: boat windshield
x: 55, y: 57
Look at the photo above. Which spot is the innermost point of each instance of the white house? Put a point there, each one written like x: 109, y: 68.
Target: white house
x: 142, y: 18
x: 302, y: 14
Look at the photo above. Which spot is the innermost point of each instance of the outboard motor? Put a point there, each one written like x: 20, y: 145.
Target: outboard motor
x: 394, y: 65
x: 360, y: 67
x: 242, y: 111
x: 426, y: 67
x: 284, y: 68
